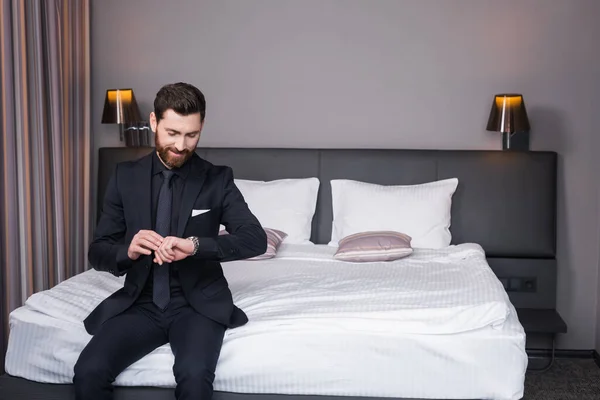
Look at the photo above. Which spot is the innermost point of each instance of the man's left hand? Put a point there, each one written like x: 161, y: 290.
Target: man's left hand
x: 173, y: 249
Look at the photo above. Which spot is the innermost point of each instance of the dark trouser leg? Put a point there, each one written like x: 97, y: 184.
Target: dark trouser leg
x: 120, y: 342
x: 196, y: 343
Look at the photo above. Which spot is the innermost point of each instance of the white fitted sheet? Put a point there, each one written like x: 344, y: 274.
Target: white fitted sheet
x: 318, y: 326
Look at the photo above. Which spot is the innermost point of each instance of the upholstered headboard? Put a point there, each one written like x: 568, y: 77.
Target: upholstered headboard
x: 505, y: 201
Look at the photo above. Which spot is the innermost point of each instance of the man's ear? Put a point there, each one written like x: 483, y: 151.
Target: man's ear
x: 153, y: 121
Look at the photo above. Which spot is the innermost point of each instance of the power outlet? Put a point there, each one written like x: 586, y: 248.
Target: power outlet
x: 519, y: 284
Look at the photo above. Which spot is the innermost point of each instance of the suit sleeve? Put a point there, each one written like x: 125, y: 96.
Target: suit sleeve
x: 246, y: 238
x: 108, y: 251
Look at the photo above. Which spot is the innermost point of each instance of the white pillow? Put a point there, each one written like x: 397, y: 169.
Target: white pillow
x: 287, y: 205
x: 420, y: 211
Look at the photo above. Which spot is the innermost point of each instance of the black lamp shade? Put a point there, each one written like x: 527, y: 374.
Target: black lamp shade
x: 120, y: 107
x: 508, y: 114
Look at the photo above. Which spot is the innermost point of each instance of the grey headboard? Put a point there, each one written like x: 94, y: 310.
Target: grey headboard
x: 505, y: 201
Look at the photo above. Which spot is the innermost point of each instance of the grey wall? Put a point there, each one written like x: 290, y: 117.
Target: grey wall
x: 395, y: 74
x: 595, y: 121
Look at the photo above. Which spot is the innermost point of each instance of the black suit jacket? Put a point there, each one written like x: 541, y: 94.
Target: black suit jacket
x: 127, y: 209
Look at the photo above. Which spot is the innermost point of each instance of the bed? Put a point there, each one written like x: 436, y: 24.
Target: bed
x: 436, y: 324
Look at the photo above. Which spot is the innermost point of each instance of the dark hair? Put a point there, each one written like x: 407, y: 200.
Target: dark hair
x: 183, y: 98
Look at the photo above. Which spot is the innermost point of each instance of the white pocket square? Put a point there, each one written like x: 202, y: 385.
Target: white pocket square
x: 198, y: 212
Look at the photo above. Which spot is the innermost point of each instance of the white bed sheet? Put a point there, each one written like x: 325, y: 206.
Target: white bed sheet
x: 318, y: 326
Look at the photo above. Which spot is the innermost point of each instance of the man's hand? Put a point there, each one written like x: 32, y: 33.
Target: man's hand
x: 144, y: 242
x: 173, y: 249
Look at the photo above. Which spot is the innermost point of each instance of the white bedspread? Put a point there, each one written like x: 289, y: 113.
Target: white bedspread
x: 305, y: 303
x: 430, y: 292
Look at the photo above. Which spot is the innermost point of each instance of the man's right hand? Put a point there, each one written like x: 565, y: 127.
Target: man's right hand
x: 144, y: 242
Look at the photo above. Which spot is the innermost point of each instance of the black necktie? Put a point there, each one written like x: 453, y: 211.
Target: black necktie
x: 161, y: 292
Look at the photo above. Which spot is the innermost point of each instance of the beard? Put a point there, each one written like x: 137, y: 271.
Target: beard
x: 166, y: 154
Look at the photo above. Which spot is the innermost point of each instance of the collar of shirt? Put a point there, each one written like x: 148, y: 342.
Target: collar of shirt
x: 158, y: 167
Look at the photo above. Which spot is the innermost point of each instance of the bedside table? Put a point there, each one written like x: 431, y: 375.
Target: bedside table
x: 542, y: 321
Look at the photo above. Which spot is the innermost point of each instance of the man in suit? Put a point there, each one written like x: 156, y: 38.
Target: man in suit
x: 159, y: 227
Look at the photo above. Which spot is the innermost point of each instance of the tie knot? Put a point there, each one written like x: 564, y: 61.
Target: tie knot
x: 167, y: 174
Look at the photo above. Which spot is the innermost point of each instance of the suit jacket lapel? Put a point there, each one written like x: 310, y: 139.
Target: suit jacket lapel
x: 192, y: 188
x: 142, y: 184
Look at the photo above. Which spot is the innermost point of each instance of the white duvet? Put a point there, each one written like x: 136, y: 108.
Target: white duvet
x: 430, y: 292
x: 303, y: 294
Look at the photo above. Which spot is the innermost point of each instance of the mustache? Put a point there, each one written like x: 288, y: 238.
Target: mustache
x: 174, y: 150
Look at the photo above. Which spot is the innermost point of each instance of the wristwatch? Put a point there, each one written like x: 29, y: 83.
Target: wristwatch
x: 194, y: 240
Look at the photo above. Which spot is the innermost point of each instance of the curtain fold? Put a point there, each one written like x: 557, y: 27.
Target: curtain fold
x: 45, y: 154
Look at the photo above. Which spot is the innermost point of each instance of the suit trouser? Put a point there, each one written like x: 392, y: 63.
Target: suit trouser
x: 195, y: 341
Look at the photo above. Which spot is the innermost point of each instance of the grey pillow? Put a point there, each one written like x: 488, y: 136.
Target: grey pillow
x: 374, y: 246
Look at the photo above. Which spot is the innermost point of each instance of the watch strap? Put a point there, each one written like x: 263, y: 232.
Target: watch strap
x: 196, y: 242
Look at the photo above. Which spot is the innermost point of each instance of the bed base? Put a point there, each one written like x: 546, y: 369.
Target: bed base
x: 13, y: 388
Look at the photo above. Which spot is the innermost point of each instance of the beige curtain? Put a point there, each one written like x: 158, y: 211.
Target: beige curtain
x: 45, y: 147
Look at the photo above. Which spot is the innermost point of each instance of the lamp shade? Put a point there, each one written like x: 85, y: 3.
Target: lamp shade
x: 508, y: 114
x: 120, y: 107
